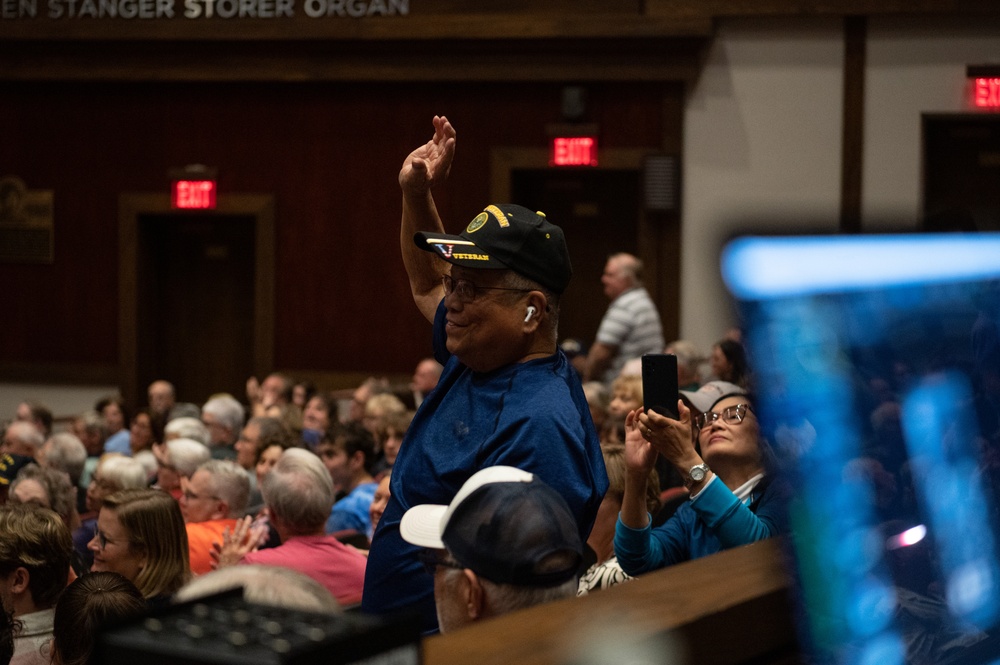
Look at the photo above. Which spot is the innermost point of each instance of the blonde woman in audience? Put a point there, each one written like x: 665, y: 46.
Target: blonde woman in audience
x: 626, y: 396
x: 606, y: 572
x: 378, y: 408
x: 389, y: 439
x: 598, y: 399
x: 140, y: 534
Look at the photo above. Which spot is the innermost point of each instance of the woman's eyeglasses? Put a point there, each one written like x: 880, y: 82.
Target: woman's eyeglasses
x: 102, y: 540
x: 732, y: 415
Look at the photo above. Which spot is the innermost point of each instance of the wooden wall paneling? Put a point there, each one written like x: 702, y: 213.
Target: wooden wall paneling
x: 458, y: 60
x: 329, y: 153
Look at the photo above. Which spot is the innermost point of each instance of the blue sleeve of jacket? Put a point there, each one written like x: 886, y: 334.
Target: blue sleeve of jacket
x: 715, y: 520
x: 729, y: 519
x: 642, y: 550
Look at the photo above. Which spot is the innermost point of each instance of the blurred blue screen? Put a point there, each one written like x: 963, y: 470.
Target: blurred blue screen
x: 877, y: 372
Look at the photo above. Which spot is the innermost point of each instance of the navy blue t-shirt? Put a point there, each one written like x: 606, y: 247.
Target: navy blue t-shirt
x: 530, y: 415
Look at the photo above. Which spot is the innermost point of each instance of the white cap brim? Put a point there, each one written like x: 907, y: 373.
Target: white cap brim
x: 423, y: 525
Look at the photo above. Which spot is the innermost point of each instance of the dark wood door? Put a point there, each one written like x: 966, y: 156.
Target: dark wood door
x: 196, y: 302
x: 599, y: 211
x: 961, y: 172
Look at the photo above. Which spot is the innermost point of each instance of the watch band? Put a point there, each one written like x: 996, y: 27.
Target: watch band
x: 696, y: 474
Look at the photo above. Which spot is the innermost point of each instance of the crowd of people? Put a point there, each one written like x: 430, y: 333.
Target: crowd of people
x: 513, y: 469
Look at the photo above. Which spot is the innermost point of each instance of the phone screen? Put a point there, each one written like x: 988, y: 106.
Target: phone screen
x: 659, y: 383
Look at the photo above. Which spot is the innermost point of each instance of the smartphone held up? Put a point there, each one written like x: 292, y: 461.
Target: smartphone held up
x: 659, y: 383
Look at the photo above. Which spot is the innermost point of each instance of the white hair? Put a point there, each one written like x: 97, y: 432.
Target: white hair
x: 230, y: 482
x: 226, y: 410
x: 186, y: 455
x: 124, y: 472
x: 27, y: 434
x: 266, y: 585
x: 299, y: 490
x: 66, y: 453
x: 187, y: 428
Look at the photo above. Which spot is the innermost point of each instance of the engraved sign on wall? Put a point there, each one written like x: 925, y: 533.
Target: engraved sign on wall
x: 26, y: 223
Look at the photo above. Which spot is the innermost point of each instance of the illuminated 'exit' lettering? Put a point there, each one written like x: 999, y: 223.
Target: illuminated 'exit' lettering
x: 988, y: 92
x: 194, y: 194
x: 574, y: 151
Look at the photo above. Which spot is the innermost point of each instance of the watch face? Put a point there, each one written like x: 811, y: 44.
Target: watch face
x: 697, y: 473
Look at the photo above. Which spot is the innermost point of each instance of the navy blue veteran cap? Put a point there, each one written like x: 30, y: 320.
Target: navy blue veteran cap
x: 505, y: 525
x: 10, y: 464
x: 507, y: 237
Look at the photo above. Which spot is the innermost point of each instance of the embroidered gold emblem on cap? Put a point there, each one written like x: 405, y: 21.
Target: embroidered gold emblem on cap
x: 477, y: 223
x: 498, y: 213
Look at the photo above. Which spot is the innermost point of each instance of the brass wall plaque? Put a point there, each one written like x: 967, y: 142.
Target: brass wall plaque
x: 26, y: 223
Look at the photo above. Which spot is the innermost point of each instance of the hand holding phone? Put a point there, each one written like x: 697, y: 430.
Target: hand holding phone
x: 659, y: 383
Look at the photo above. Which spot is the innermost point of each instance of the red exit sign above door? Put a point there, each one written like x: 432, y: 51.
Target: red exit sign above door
x: 193, y: 194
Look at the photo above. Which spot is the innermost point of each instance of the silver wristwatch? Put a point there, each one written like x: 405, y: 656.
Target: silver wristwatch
x: 696, y: 474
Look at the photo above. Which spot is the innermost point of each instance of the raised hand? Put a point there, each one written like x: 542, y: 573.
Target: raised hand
x: 243, y: 539
x: 640, y: 455
x: 671, y: 438
x: 429, y: 164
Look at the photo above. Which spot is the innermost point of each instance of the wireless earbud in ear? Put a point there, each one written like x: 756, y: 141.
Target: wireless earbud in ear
x: 531, y: 312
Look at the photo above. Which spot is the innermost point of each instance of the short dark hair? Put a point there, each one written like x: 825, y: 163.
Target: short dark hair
x: 272, y: 432
x: 117, y: 400
x: 42, y: 414
x: 353, y: 437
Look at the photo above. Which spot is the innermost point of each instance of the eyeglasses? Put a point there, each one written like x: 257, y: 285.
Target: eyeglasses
x: 191, y: 496
x: 467, y: 291
x: 431, y: 560
x: 103, y: 540
x: 732, y: 415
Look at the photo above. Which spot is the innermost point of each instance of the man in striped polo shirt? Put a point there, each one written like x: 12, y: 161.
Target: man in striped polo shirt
x: 630, y: 327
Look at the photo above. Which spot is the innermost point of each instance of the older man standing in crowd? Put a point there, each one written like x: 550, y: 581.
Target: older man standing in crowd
x: 507, y: 395
x: 506, y: 542
x: 631, y: 325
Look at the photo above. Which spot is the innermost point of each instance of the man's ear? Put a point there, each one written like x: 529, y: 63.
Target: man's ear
x: 20, y: 579
x: 221, y: 510
x: 357, y: 460
x: 474, y: 596
x: 535, y: 310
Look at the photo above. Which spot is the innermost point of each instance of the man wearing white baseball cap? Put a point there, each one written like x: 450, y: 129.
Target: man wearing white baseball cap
x: 507, y: 541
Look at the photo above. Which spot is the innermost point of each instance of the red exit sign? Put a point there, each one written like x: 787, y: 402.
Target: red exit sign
x: 573, y: 151
x: 193, y: 194
x: 987, y: 92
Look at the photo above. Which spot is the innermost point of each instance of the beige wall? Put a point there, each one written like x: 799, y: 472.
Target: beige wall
x: 762, y: 139
x: 915, y: 66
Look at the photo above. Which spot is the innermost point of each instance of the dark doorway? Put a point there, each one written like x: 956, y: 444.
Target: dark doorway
x: 195, y: 314
x: 599, y: 212
x: 961, y: 172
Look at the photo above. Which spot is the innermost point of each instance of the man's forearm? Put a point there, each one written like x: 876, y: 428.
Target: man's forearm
x: 598, y: 360
x: 423, y: 268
